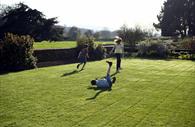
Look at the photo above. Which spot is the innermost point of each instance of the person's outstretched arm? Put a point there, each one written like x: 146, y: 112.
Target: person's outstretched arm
x: 79, y: 54
x: 109, y: 66
x: 112, y: 49
x: 123, y: 49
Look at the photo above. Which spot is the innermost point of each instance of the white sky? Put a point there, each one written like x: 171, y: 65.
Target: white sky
x: 98, y: 14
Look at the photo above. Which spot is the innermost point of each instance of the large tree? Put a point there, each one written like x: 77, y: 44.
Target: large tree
x: 131, y: 35
x: 74, y: 33
x: 89, y: 33
x: 22, y: 20
x: 177, y: 17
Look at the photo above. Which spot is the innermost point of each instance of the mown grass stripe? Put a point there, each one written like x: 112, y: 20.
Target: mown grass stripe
x: 151, y: 108
x: 96, y: 113
x: 43, y: 97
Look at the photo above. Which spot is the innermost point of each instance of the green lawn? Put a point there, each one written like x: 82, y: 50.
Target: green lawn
x: 58, y: 44
x: 147, y: 93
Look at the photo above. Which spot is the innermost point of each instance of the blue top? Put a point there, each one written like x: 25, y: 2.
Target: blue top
x: 102, y: 83
x: 83, y: 53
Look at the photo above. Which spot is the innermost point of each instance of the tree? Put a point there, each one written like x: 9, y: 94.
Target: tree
x: 105, y: 35
x: 131, y: 35
x: 1, y: 15
x: 88, y: 33
x: 96, y: 35
x: 177, y: 17
x: 191, y: 18
x: 57, y: 33
x: 22, y: 20
x: 73, y: 33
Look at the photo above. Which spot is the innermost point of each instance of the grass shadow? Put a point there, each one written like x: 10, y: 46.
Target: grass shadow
x: 71, y: 73
x: 113, y: 74
x: 100, y: 90
x: 3, y: 72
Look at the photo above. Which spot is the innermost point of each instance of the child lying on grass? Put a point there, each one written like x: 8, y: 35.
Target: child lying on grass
x: 105, y: 82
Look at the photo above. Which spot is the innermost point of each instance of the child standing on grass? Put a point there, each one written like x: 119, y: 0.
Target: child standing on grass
x: 118, y: 50
x: 83, y: 55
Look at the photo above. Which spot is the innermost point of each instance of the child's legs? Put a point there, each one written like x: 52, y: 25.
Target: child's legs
x: 83, y: 61
x: 84, y: 65
x: 108, y: 78
x: 108, y: 71
x: 118, y: 61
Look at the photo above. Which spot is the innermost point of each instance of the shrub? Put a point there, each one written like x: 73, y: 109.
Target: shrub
x: 95, y: 52
x: 85, y: 40
x: 131, y: 35
x: 188, y: 43
x: 17, y: 53
x: 154, y: 49
x: 184, y: 56
x: 187, y: 47
x: 193, y: 57
x: 100, y: 52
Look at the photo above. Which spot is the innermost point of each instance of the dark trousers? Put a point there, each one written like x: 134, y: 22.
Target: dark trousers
x: 118, y: 61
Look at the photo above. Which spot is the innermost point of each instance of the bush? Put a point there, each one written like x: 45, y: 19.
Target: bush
x: 85, y: 40
x: 193, y: 57
x: 188, y: 43
x: 131, y: 35
x: 185, y: 56
x: 187, y: 47
x: 17, y: 53
x: 100, y: 52
x: 95, y: 52
x: 152, y: 49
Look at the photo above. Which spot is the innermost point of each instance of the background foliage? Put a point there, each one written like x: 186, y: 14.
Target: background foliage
x: 177, y: 17
x: 22, y: 20
x: 155, y: 49
x: 17, y: 53
x: 95, y: 51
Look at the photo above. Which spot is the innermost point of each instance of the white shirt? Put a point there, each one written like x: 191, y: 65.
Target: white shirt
x: 102, y: 83
x: 119, y: 48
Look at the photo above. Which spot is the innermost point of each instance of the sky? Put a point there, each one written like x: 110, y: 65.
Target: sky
x: 98, y: 14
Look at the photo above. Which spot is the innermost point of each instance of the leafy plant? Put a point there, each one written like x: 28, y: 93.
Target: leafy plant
x: 152, y: 49
x: 17, y: 53
x: 188, y: 43
x: 95, y: 52
x: 100, y: 52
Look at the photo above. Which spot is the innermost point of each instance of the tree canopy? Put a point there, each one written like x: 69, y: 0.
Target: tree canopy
x: 22, y: 20
x: 74, y: 33
x: 177, y: 17
x: 131, y: 35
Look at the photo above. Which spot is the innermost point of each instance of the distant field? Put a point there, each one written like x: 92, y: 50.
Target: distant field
x: 147, y: 93
x: 60, y: 44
